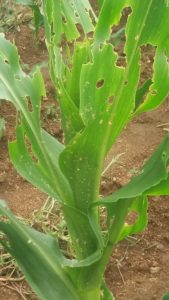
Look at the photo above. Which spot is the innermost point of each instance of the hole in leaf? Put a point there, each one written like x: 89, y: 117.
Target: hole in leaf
x: 147, y: 60
x: 64, y: 20
x: 131, y: 218
x: 29, y: 148
x: 4, y: 219
x: 100, y: 83
x: 121, y: 60
x: 30, y: 107
x: 164, y: 155
x: 118, y: 37
x: 17, y: 77
x: 76, y: 14
x: 103, y: 214
x: 19, y: 118
x: 110, y: 100
x: 81, y: 32
x: 154, y: 93
x: 90, y: 34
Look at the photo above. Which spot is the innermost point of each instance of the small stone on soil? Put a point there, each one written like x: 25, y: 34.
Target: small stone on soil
x: 154, y: 270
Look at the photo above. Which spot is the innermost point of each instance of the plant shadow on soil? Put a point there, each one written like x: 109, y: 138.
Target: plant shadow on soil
x: 138, y: 268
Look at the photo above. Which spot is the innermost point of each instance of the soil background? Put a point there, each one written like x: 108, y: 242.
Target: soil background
x: 138, y: 268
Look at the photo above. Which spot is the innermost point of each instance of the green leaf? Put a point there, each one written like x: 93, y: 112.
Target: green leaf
x: 39, y: 258
x: 80, y: 57
x: 70, y: 14
x: 141, y: 92
x: 153, y: 174
x: 166, y: 296
x: 83, y: 158
x: 30, y: 144
x: 97, y: 85
x: 71, y: 119
x: 105, y: 292
x: 159, y: 89
x: 141, y: 30
x: 151, y: 181
x: 80, y: 222
x: 36, y: 251
x: 144, y: 20
x: 64, y: 17
x: 109, y: 15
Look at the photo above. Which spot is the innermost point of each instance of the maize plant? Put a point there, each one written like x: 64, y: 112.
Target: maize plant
x: 97, y: 99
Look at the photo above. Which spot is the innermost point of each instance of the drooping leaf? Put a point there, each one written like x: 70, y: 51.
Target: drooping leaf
x: 22, y: 91
x: 39, y: 258
x: 152, y: 181
x: 37, y: 251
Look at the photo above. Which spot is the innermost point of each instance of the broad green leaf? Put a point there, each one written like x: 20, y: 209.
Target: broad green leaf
x: 137, y: 212
x: 39, y: 258
x: 141, y: 29
x: 22, y: 91
x: 30, y: 168
x: 9, y: 53
x: 64, y: 16
x: 77, y: 12
x: 143, y: 24
x: 80, y: 222
x: 71, y: 13
x: 71, y: 119
x: 154, y: 173
x: 34, y: 153
x: 150, y: 182
x: 83, y: 158
x: 109, y: 15
x: 97, y: 86
x: 36, y: 251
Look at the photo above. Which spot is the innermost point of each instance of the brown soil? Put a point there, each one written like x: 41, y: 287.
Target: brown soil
x: 138, y: 267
